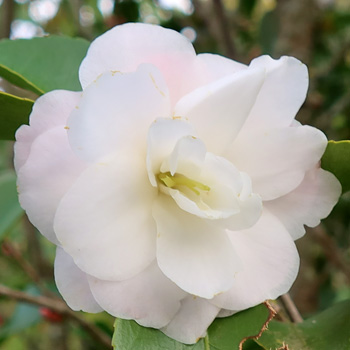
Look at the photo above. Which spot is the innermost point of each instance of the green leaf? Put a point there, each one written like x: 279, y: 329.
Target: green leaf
x: 14, y: 111
x: 10, y: 210
x: 327, y: 330
x: 224, y: 334
x: 43, y: 64
x: 336, y: 159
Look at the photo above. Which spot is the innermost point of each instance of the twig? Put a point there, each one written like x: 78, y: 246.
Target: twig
x: 291, y: 308
x: 60, y: 307
x: 224, y: 28
x: 8, y: 13
x: 272, y: 314
x: 330, y: 249
x: 13, y: 252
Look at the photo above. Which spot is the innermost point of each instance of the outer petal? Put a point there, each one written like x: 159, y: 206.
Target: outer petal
x: 282, y: 94
x: 149, y: 298
x: 48, y: 173
x: 116, y: 111
x: 73, y: 285
x: 191, y: 322
x: 49, y: 111
x: 192, y: 252
x: 218, y: 110
x: 270, y: 264
x: 125, y: 47
x: 311, y: 201
x: 210, y: 67
x: 276, y: 160
x: 104, y: 221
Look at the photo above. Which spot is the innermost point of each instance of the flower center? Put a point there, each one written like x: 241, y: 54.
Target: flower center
x: 178, y: 180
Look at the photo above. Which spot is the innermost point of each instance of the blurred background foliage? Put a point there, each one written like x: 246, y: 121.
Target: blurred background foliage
x: 315, y: 31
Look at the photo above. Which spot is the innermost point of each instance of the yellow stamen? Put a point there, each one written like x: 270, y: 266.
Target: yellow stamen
x: 177, y: 180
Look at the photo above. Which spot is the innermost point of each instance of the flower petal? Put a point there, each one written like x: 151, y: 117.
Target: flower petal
x: 218, y: 110
x: 49, y: 111
x: 282, y: 94
x: 115, y: 112
x: 191, y: 322
x: 187, y: 250
x: 149, y: 298
x: 73, y: 285
x: 105, y: 222
x: 277, y: 160
x: 125, y: 47
x: 48, y: 173
x: 225, y: 313
x: 163, y: 135
x: 250, y: 205
x: 211, y: 67
x: 270, y: 264
x: 187, y: 157
x: 311, y: 201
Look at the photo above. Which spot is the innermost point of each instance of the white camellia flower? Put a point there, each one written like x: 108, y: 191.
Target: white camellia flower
x: 175, y: 184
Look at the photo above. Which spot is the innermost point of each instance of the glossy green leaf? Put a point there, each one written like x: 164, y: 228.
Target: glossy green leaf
x: 43, y: 64
x: 14, y: 111
x: 336, y: 159
x: 327, y: 330
x: 224, y: 334
x: 10, y: 210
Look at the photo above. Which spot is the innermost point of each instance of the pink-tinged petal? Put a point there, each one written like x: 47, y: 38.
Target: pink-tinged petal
x: 218, y: 110
x: 282, y: 94
x: 191, y: 322
x: 125, y: 47
x: 49, y: 111
x: 210, y: 67
x: 116, y: 111
x: 149, y: 298
x: 105, y: 222
x: 73, y: 285
x: 270, y: 264
x: 162, y: 138
x: 50, y: 170
x: 276, y: 160
x: 187, y: 250
x: 310, y: 202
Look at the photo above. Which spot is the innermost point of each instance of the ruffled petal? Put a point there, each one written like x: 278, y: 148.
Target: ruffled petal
x: 310, y: 202
x: 270, y: 263
x: 48, y: 173
x: 105, y: 222
x: 126, y: 46
x: 115, y: 112
x: 277, y: 160
x: 191, y: 322
x: 149, y: 298
x: 73, y: 285
x: 187, y: 157
x: 49, y: 111
x: 187, y: 250
x: 282, y: 94
x: 218, y: 110
x: 162, y: 137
